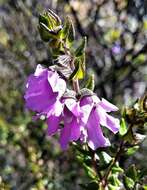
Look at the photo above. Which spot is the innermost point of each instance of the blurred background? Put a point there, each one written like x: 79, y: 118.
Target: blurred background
x: 116, y: 54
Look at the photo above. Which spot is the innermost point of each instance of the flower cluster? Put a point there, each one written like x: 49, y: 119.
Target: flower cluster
x: 75, y: 118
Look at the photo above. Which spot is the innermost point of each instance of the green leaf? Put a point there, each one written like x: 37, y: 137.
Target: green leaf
x: 117, y: 169
x: 68, y: 31
x: 112, y: 187
x: 132, y: 173
x: 90, y: 172
x: 123, y: 127
x: 90, y: 82
x: 44, y: 34
x: 50, y: 19
x: 43, y: 19
x: 79, y: 70
x: 128, y: 182
x: 81, y: 49
x: 132, y: 150
x: 129, y: 136
x: 105, y: 158
x: 145, y: 187
x: 113, y: 180
x: 49, y: 25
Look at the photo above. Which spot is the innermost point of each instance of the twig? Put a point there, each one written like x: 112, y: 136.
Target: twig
x: 112, y: 164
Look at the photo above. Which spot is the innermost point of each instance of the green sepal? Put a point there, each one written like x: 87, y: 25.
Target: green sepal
x: 90, y: 82
x: 81, y: 49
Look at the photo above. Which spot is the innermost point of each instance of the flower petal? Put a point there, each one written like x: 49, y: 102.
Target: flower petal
x: 113, y: 124
x: 39, y: 94
x: 95, y: 135
x: 57, y: 84
x: 107, y: 106
x: 53, y: 124
x: 75, y: 130
x: 106, y: 120
x: 64, y: 137
x: 73, y: 106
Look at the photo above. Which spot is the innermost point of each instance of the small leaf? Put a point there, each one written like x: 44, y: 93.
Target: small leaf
x: 43, y: 19
x: 71, y: 34
x: 129, y: 136
x: 90, y: 172
x: 104, y: 157
x: 132, y: 173
x: 112, y: 187
x: 105, y: 160
x: 117, y: 169
x: 68, y: 30
x: 49, y: 25
x: 128, y: 182
x: 90, y: 82
x: 79, y: 70
x: 132, y: 150
x: 123, y: 127
x: 44, y: 34
x: 113, y: 180
x: 81, y: 49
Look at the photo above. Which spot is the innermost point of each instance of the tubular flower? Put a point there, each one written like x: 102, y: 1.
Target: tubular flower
x: 95, y: 115
x: 44, y: 89
x: 82, y: 118
x: 72, y: 125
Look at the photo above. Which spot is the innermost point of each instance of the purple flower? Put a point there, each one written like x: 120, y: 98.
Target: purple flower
x: 44, y: 89
x: 95, y: 115
x: 82, y: 119
x: 72, y: 123
x: 116, y: 49
x: 69, y: 113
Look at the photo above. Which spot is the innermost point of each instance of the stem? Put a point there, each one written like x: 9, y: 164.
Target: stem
x: 119, y: 151
x: 94, y: 164
x: 76, y: 86
x: 75, y: 83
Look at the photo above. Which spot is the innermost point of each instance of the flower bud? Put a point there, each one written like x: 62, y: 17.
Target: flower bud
x: 49, y: 25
